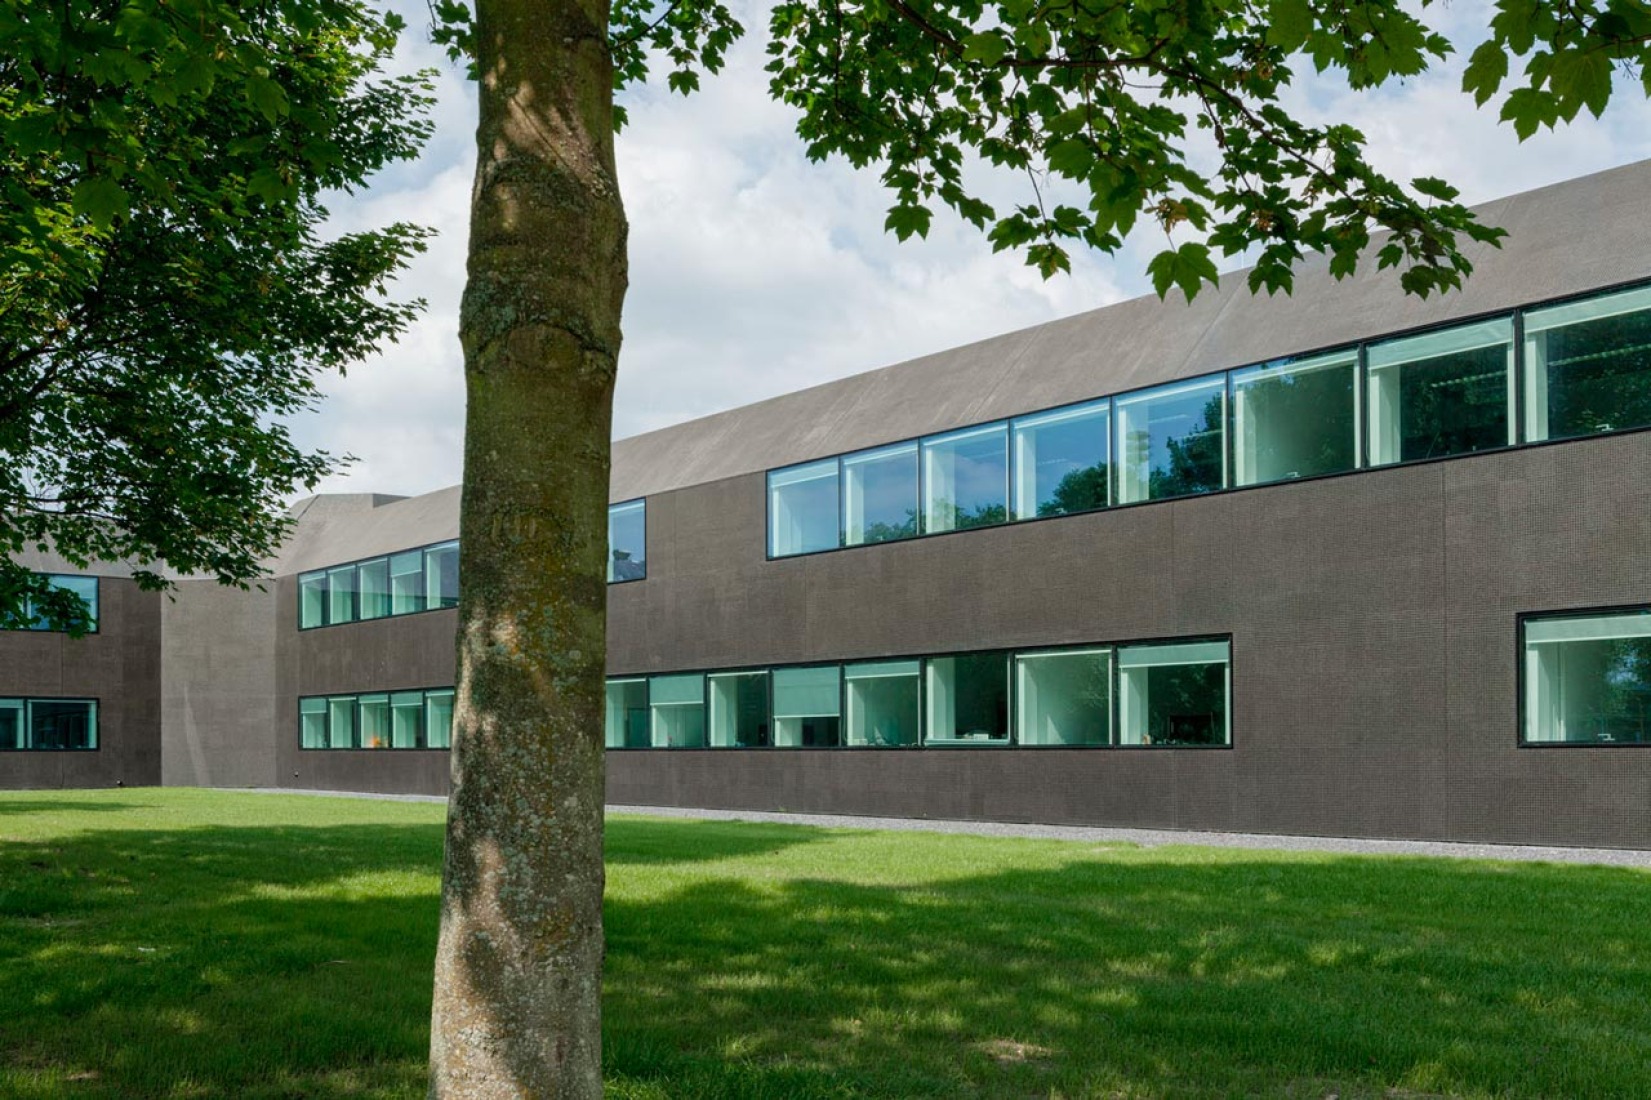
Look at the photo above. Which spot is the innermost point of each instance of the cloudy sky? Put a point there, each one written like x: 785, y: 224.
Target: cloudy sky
x: 755, y: 272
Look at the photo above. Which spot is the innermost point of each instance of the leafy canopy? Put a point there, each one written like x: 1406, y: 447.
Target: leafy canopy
x: 167, y: 295
x: 1108, y: 110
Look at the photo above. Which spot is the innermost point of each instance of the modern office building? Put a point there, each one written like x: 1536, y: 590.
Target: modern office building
x: 1344, y: 562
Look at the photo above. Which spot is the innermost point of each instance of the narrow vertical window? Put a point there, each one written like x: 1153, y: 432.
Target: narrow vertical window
x: 1588, y: 679
x: 13, y: 730
x: 341, y: 592
x: 375, y: 588
x: 739, y: 709
x: 880, y: 495
x: 676, y: 706
x: 312, y: 723
x: 1588, y: 366
x: 406, y: 582
x: 627, y: 541
x: 966, y: 479
x: 438, y: 719
x: 374, y: 721
x: 441, y: 576
x: 1064, y: 697
x: 808, y: 707
x: 341, y: 722
x: 882, y: 700
x: 1062, y: 461
x: 407, y: 720
x: 312, y: 600
x: 1295, y: 419
x: 627, y: 714
x: 1172, y: 440
x: 802, y: 509
x: 1174, y: 695
x: 967, y: 700
x: 1442, y: 393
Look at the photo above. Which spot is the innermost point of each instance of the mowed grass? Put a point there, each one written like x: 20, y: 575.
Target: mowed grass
x: 204, y: 944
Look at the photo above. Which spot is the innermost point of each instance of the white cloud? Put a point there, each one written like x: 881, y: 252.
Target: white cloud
x: 755, y: 272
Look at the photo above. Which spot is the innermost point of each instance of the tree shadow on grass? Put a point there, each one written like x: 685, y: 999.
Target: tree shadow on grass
x: 10, y: 805
x: 633, y: 840
x: 1140, y: 977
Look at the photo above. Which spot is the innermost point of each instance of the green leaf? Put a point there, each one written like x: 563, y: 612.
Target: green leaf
x: 102, y: 200
x: 1434, y: 188
x: 1289, y: 25
x: 268, y: 97
x: 1487, y: 68
x: 986, y: 48
x: 907, y: 219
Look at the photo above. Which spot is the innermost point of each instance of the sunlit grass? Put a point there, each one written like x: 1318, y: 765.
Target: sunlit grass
x: 209, y: 944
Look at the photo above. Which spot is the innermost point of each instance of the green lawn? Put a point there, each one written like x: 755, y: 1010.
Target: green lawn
x: 201, y: 944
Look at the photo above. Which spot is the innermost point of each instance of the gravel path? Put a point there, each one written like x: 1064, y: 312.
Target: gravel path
x: 1146, y: 838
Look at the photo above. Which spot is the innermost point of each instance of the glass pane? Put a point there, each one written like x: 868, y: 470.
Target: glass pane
x: 880, y: 495
x: 882, y: 701
x: 1173, y: 694
x: 802, y: 509
x: 85, y: 588
x: 312, y: 600
x: 341, y: 722
x: 1588, y: 679
x: 406, y: 582
x: 1588, y: 366
x: 808, y: 707
x: 966, y: 479
x: 11, y: 725
x: 627, y: 541
x: 627, y: 717
x: 62, y: 724
x: 1171, y: 441
x: 406, y: 720
x: 1062, y: 461
x: 676, y: 708
x: 341, y: 592
x: 441, y: 576
x: 375, y: 588
x: 739, y: 709
x: 374, y: 719
x: 1443, y: 393
x: 968, y: 700
x: 312, y: 723
x: 1297, y: 419
x: 438, y: 719
x: 1064, y: 698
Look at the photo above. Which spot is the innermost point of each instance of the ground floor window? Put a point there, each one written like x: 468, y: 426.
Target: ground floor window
x: 418, y: 719
x: 45, y: 725
x: 1588, y: 678
x: 1161, y: 694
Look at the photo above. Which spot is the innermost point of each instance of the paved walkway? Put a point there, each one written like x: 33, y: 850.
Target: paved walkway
x: 1146, y: 838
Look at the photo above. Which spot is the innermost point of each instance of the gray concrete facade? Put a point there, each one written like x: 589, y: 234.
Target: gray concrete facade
x: 1372, y: 614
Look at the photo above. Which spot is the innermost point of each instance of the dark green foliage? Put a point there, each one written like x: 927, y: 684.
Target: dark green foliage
x: 166, y: 294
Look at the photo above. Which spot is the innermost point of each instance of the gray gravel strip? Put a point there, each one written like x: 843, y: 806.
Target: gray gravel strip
x: 1146, y: 838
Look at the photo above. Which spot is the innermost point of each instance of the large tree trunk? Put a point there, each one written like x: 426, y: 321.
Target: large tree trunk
x: 517, y: 1008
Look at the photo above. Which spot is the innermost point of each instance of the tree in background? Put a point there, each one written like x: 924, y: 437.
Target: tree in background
x: 167, y: 293
x: 1098, y: 104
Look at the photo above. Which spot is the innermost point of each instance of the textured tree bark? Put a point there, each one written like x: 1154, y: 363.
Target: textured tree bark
x: 517, y: 1009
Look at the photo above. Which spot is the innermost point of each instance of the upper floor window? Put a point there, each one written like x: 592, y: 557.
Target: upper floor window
x: 1062, y: 461
x: 1172, y: 440
x: 422, y: 579
x: 1299, y: 418
x: 628, y: 541
x: 1442, y: 393
x: 84, y: 587
x: 1588, y: 678
x: 1588, y: 366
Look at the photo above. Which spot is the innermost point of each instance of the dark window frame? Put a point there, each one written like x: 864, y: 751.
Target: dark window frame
x: 28, y: 714
x: 1524, y: 617
x: 1360, y: 347
x: 1011, y: 744
x: 356, y: 697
